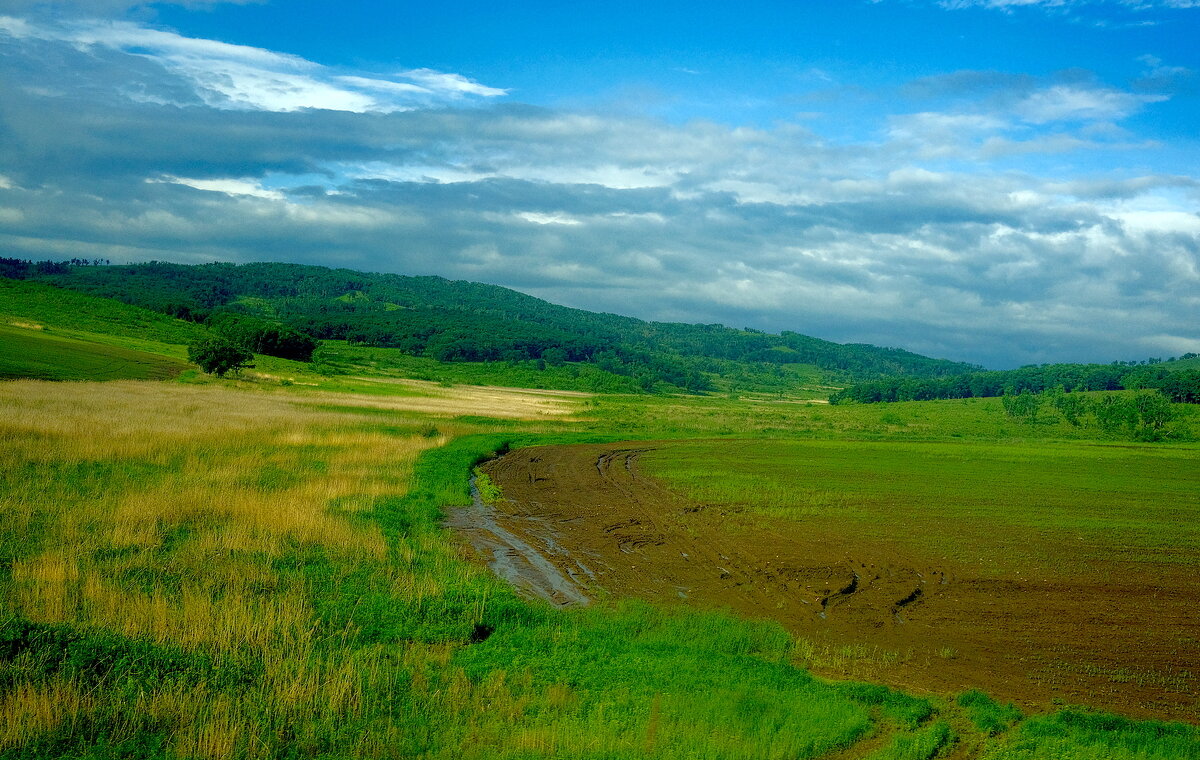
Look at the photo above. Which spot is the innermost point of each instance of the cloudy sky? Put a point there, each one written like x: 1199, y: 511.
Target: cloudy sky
x: 996, y: 181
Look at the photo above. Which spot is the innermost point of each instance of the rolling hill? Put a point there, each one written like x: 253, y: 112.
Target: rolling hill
x: 459, y: 321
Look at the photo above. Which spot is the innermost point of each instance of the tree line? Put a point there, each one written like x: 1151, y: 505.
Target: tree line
x: 1142, y: 416
x: 1031, y: 380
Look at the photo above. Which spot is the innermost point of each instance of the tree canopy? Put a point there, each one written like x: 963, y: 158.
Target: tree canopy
x: 218, y: 356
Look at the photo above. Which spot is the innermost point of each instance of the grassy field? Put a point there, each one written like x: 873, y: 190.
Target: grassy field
x: 1052, y: 510
x: 980, y: 419
x: 74, y: 314
x: 31, y: 353
x: 216, y: 572
x: 255, y: 567
x: 251, y: 570
x: 1039, y: 570
x: 53, y: 334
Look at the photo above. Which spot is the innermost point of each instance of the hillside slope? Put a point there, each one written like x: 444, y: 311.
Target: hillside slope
x: 466, y: 321
x: 49, y: 333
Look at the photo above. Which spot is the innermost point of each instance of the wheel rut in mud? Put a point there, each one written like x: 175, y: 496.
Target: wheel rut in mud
x: 580, y: 522
x: 530, y: 565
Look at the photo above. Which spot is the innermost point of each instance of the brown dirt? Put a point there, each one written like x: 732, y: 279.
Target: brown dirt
x: 869, y: 611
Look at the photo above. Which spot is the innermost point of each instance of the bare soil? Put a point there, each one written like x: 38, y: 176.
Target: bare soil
x: 1127, y: 643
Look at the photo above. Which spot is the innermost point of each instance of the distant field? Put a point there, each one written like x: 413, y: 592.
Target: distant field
x: 68, y: 310
x: 1037, y: 570
x: 34, y: 354
x: 48, y: 333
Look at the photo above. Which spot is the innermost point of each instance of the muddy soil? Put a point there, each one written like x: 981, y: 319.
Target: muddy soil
x: 527, y: 566
x: 1125, y: 643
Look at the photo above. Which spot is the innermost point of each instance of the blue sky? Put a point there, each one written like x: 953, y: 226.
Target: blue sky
x: 998, y: 181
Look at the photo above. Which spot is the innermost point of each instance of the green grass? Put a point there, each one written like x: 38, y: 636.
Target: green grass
x: 1073, y: 735
x: 988, y: 716
x: 996, y: 506
x: 48, y: 333
x: 977, y: 419
x: 35, y: 354
x: 68, y: 311
x: 925, y: 744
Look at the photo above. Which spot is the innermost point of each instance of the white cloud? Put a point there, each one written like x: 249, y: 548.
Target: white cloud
x: 1002, y: 4
x: 1007, y: 5
x: 384, y: 85
x: 108, y: 7
x: 242, y: 77
x: 1066, y: 103
x: 227, y: 186
x: 1160, y: 222
x: 537, y: 217
x: 437, y: 81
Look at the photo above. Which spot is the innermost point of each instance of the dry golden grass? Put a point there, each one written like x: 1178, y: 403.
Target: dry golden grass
x: 509, y: 403
x: 159, y: 510
x: 28, y: 709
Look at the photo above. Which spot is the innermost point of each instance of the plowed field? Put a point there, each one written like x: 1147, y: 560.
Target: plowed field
x: 1121, y: 635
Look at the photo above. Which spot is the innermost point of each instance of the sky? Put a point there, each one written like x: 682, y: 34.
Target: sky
x: 1003, y: 182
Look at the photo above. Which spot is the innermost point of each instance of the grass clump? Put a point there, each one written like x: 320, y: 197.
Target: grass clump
x: 1076, y: 735
x: 930, y: 742
x: 990, y: 717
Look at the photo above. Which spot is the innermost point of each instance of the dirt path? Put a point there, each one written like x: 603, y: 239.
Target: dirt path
x: 868, y: 611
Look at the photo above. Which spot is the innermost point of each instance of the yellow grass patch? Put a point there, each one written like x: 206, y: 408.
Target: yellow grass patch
x: 509, y: 403
x: 27, y: 710
x: 159, y: 512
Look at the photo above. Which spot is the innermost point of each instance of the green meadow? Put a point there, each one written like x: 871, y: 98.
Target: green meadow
x: 1054, y: 508
x: 26, y: 352
x: 256, y: 567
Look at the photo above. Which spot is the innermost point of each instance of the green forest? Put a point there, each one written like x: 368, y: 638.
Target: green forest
x: 1177, y: 378
x: 282, y: 309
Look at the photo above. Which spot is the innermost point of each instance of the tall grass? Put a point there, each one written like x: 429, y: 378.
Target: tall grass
x: 178, y: 517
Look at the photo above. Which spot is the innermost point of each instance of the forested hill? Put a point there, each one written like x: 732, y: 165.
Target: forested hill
x: 466, y: 321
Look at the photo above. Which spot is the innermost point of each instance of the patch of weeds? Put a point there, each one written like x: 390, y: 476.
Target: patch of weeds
x: 40, y: 651
x: 429, y: 430
x: 475, y: 419
x: 907, y: 711
x: 488, y: 491
x: 925, y: 744
x: 1099, y: 736
x: 989, y: 716
x: 115, y: 734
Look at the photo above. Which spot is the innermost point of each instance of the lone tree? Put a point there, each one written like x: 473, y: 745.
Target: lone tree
x: 218, y: 356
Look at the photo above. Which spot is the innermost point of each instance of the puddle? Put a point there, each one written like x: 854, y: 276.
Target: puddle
x: 514, y: 559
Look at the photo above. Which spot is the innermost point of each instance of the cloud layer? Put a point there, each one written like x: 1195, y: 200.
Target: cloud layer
x: 122, y: 141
